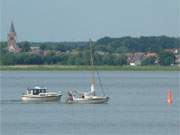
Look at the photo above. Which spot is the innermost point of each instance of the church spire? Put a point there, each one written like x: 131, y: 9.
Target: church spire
x: 12, y: 47
x: 12, y: 29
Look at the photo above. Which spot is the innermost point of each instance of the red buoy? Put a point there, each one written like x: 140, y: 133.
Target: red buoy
x: 170, y: 97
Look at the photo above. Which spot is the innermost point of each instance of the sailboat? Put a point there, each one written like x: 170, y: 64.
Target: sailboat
x: 88, y: 97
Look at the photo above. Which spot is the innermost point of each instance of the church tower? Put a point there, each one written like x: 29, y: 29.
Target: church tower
x: 12, y: 47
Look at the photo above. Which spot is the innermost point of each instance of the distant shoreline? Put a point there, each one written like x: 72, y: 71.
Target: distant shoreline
x: 86, y: 68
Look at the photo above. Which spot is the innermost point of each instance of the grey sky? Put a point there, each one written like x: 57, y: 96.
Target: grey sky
x: 79, y: 20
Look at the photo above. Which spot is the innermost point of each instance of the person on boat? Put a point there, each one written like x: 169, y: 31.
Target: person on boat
x: 70, y: 94
x: 92, y: 92
x: 82, y: 96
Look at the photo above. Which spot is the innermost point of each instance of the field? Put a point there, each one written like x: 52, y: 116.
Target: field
x: 88, y: 68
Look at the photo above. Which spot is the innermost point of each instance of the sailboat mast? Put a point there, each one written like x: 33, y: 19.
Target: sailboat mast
x: 92, y: 64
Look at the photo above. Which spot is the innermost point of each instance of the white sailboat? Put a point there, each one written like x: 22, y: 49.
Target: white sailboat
x: 88, y: 97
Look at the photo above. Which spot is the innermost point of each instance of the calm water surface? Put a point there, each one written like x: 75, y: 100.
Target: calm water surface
x: 137, y: 104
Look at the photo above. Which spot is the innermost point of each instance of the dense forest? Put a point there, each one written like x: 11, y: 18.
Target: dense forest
x: 141, y: 44
x: 107, y: 51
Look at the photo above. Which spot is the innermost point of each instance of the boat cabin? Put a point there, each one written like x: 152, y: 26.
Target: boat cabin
x: 35, y: 91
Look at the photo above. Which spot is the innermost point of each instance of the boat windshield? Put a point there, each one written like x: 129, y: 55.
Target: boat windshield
x: 37, y: 91
x: 42, y: 90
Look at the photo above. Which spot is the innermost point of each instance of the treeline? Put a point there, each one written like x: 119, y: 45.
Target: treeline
x: 57, y: 46
x: 112, y: 45
x: 107, y: 51
x: 141, y: 44
x: 77, y: 58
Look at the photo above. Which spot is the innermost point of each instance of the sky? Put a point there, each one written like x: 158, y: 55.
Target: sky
x: 80, y: 20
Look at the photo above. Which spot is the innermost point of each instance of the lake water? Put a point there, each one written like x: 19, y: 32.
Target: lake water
x: 137, y: 104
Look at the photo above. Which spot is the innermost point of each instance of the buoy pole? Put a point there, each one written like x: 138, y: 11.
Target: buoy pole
x: 170, y: 97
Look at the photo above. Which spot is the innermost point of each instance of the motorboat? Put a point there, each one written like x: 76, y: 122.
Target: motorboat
x: 40, y: 94
x: 89, y: 97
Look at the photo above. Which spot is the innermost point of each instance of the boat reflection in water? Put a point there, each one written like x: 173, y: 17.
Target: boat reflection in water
x: 40, y: 94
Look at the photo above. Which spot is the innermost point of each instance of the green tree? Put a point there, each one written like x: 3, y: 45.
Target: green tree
x: 45, y: 46
x: 3, y: 48
x: 8, y: 59
x: 61, y: 48
x: 149, y: 61
x: 25, y: 46
x: 166, y: 58
x: 108, y: 59
x: 120, y: 60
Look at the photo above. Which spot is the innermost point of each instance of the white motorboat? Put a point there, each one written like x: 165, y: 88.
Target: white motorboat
x: 40, y: 94
x: 88, y: 97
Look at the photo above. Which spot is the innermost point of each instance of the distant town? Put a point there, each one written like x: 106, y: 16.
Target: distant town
x: 160, y: 50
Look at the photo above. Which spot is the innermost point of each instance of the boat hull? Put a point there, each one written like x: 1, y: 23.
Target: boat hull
x: 98, y: 100
x: 41, y: 98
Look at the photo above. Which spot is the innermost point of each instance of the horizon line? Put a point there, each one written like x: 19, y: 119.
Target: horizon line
x: 92, y: 39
